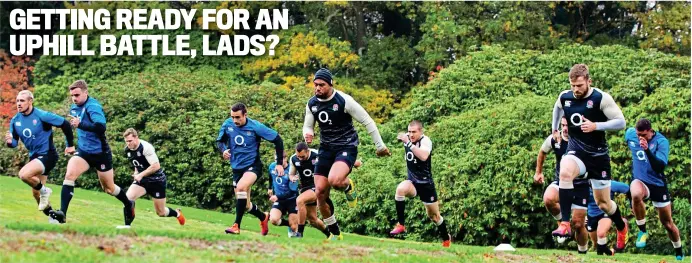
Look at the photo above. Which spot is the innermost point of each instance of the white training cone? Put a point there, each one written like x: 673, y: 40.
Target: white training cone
x: 504, y: 247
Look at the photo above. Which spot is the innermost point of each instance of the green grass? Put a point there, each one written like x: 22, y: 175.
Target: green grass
x: 90, y: 236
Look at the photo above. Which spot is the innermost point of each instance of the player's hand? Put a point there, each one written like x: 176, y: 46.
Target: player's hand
x: 358, y: 164
x: 74, y: 122
x: 270, y: 192
x: 138, y: 177
x: 279, y: 170
x: 403, y: 137
x: 273, y: 198
x: 643, y: 143
x: 8, y: 138
x: 383, y: 152
x: 293, y: 178
x: 557, y: 137
x: 308, y: 138
x: 69, y: 150
x: 587, y: 126
x: 227, y: 154
x: 538, y: 178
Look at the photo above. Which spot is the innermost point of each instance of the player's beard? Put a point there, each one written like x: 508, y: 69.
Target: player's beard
x: 323, y: 96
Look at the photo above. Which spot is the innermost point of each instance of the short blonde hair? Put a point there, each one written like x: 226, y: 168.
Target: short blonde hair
x: 130, y: 131
x: 579, y: 70
x: 26, y: 93
x: 79, y: 84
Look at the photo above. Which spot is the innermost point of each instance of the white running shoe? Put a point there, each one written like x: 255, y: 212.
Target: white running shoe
x: 43, y: 201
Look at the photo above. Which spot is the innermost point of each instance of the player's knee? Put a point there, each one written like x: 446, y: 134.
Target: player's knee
x: 578, y: 224
x: 601, y: 234
x: 275, y: 221
x: 24, y: 175
x: 637, y: 196
x: 668, y: 224
x: 109, y: 190
x: 434, y: 217
x: 604, y: 205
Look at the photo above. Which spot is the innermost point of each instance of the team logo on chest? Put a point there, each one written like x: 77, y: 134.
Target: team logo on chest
x: 314, y: 161
x: 297, y: 163
x: 589, y: 104
x: 335, y: 107
x: 139, y: 154
x: 248, y: 133
x: 128, y: 155
x: 18, y: 124
x: 230, y: 128
x: 35, y: 122
x: 313, y: 109
x: 632, y: 143
x: 568, y: 103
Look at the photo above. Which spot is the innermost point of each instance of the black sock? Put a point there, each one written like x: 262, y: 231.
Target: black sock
x: 348, y: 187
x: 66, y: 197
x: 642, y: 228
x: 240, y: 205
x: 123, y: 198
x: 617, y: 219
x: 566, y: 196
x: 442, y: 230
x: 257, y: 213
x: 331, y: 205
x: 38, y: 186
x: 283, y: 223
x: 48, y: 208
x: 301, y: 228
x: 334, y: 229
x: 172, y: 212
x: 400, y: 209
x: 678, y: 251
x: 325, y: 232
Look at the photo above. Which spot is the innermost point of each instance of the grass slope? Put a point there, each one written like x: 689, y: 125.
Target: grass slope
x: 90, y: 236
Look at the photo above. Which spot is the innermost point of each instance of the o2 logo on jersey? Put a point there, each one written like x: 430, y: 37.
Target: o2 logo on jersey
x: 27, y: 133
x: 137, y: 164
x: 307, y: 173
x: 641, y: 155
x: 411, y: 157
x: 579, y: 120
x: 239, y: 140
x: 278, y: 180
x: 323, y: 116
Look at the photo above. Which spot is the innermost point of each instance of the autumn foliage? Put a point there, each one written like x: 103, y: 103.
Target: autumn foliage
x: 13, y: 78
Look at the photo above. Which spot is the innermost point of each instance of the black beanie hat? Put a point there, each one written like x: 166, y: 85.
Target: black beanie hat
x: 325, y: 75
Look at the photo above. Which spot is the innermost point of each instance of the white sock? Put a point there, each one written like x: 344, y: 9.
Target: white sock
x: 602, y: 241
x: 582, y: 248
x: 43, y: 189
x: 677, y: 244
x: 558, y: 216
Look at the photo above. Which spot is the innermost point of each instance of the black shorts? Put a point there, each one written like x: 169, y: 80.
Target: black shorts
x: 287, y: 206
x: 327, y: 157
x: 48, y: 160
x: 597, y: 167
x: 581, y: 197
x: 592, y: 222
x: 102, y: 162
x: 255, y: 168
x: 303, y: 189
x: 155, y: 188
x: 426, y: 192
x: 659, y: 195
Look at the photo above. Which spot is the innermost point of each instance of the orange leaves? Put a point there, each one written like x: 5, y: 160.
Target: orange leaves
x: 13, y: 78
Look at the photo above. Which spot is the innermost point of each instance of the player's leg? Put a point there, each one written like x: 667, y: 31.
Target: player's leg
x: 604, y: 225
x: 76, y: 166
x: 31, y: 175
x: 322, y: 189
x: 293, y: 222
x: 433, y: 211
x: 570, y: 168
x: 275, y: 216
x: 339, y: 171
x: 551, y: 200
x: 403, y: 190
x: 37, y: 196
x: 592, y: 227
x: 665, y: 214
x: 254, y: 210
x: 639, y: 193
x: 579, y: 225
x: 109, y: 186
x: 601, y: 192
x: 314, y: 221
x: 134, y: 192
